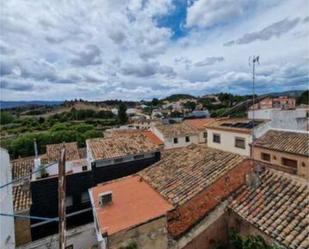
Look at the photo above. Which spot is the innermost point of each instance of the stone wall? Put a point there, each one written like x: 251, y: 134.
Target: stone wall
x: 152, y: 234
x: 22, y: 230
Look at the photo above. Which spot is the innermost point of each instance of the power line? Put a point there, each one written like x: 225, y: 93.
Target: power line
x: 29, y: 217
x: 25, y: 177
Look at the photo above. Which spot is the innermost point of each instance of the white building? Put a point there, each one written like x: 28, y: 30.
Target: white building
x: 234, y: 135
x: 176, y: 135
x: 7, y: 234
x: 296, y: 119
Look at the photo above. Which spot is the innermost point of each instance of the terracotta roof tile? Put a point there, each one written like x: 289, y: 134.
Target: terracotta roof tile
x: 120, y: 145
x: 279, y: 207
x: 175, y: 130
x: 184, y: 172
x: 53, y: 151
x: 21, y: 198
x: 199, y: 123
x: 286, y: 141
x: 22, y: 167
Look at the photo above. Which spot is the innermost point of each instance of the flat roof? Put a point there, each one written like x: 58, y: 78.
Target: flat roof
x: 134, y: 202
x: 242, y: 125
x: 119, y: 145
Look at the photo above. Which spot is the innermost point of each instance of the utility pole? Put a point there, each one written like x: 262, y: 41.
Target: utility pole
x: 255, y: 59
x: 61, y: 199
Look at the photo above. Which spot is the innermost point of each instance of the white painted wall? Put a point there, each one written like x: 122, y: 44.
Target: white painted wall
x: 81, y: 237
x: 283, y: 119
x: 228, y: 141
x: 169, y: 141
x: 7, y: 233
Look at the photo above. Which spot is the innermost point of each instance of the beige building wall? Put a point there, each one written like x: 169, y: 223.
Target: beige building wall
x: 22, y: 230
x: 228, y: 141
x: 150, y: 235
x: 276, y: 159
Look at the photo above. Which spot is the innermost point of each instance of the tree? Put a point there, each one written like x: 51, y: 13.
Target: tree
x: 122, y: 113
x: 190, y: 105
x: 155, y: 102
x: 304, y: 98
x: 6, y: 117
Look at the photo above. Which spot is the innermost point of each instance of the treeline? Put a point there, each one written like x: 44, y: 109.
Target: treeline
x: 74, y: 114
x: 23, y: 145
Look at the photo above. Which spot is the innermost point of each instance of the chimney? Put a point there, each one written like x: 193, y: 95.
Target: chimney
x: 37, y: 162
x: 105, y: 198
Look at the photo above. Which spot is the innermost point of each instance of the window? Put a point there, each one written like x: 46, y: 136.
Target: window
x: 240, y: 142
x: 175, y: 140
x: 265, y: 156
x: 187, y: 139
x: 118, y: 160
x: 205, y: 134
x: 84, y: 168
x: 216, y: 138
x: 289, y: 162
x: 85, y: 197
x: 138, y: 157
x: 68, y: 201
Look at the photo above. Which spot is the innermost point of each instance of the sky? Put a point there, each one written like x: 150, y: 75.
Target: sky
x: 144, y: 49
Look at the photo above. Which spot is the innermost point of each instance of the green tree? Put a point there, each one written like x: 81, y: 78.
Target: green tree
x: 155, y: 102
x: 190, y: 105
x: 122, y: 113
x: 6, y: 117
x: 303, y: 98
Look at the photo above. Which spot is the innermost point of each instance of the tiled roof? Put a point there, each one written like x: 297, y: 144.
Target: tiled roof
x: 175, y: 130
x: 153, y: 137
x: 22, y: 167
x: 120, y: 145
x: 199, y: 123
x: 53, y: 151
x: 279, y: 207
x: 133, y: 202
x: 184, y: 172
x: 286, y: 141
x: 21, y: 198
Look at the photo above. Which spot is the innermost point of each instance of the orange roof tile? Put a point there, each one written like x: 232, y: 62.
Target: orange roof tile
x: 153, y: 137
x: 134, y: 202
x: 199, y: 123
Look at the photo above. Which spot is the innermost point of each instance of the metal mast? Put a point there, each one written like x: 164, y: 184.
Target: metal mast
x: 255, y: 59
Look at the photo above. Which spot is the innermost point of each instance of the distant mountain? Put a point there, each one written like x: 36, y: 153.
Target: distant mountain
x: 293, y: 93
x: 13, y: 104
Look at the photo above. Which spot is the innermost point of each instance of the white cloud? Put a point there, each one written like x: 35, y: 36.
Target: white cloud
x: 208, y: 13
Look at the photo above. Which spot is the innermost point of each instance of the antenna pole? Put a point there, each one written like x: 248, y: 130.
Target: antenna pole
x: 255, y: 59
x: 61, y: 199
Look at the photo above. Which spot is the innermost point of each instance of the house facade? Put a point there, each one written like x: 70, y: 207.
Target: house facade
x: 234, y: 135
x: 176, y: 135
x: 295, y: 119
x: 128, y: 211
x: 285, y: 150
x: 282, y: 102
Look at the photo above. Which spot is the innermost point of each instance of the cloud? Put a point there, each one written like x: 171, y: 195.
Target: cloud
x: 16, y: 86
x: 208, y: 61
x: 90, y: 56
x: 146, y: 69
x: 274, y: 30
x: 208, y: 13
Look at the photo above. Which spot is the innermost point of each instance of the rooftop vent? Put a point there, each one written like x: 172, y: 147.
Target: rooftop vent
x: 105, y: 198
